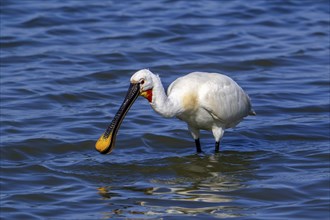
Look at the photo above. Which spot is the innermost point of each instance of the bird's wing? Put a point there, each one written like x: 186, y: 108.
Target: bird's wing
x: 224, y: 100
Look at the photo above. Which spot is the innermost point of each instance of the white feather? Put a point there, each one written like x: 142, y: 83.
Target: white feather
x: 208, y: 101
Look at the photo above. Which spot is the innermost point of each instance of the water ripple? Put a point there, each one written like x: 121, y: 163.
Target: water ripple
x: 65, y: 67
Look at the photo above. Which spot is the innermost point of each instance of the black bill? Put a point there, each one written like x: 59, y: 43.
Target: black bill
x: 106, y: 143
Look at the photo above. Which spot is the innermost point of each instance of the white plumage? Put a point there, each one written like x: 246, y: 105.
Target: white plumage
x: 207, y: 101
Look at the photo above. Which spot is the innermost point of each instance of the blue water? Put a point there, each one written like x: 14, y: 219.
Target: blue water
x: 65, y: 69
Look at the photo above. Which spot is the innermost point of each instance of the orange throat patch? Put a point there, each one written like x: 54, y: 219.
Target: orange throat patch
x: 147, y: 94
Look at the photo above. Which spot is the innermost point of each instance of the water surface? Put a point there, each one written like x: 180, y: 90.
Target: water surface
x: 65, y: 68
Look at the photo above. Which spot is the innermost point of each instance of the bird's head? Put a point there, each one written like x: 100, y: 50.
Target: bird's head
x: 141, y: 84
x: 144, y: 79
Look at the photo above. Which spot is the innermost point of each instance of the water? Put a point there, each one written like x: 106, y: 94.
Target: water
x: 65, y: 68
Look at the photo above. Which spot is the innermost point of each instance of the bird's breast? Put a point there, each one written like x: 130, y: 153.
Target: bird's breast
x: 199, y: 118
x: 189, y: 102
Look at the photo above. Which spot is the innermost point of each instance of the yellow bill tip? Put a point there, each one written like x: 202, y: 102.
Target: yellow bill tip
x: 103, y: 143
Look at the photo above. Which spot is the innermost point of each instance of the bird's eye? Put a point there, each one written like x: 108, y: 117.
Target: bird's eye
x: 142, y: 82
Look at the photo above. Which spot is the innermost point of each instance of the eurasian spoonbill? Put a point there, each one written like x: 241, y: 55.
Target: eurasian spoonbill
x: 207, y: 101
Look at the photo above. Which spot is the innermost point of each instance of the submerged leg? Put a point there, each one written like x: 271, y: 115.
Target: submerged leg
x: 198, y: 146
x: 217, y: 147
x: 217, y: 133
x: 195, y: 134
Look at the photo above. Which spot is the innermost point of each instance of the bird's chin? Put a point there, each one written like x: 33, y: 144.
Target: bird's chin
x: 147, y: 94
x: 106, y: 143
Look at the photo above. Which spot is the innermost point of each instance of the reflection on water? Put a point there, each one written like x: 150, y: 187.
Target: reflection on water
x: 201, y: 185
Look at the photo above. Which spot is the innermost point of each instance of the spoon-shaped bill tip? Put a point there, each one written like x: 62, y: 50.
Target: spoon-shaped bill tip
x: 104, y: 144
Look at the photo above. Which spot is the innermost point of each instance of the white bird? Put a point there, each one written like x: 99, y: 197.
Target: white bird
x: 207, y: 101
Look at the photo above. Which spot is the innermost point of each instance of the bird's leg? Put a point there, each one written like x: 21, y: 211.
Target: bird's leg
x: 195, y: 134
x: 217, y: 133
x: 217, y: 147
x: 198, y: 146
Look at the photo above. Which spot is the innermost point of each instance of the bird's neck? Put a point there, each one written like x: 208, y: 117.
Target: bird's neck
x: 161, y: 103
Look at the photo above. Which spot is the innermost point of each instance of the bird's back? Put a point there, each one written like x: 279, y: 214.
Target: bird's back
x: 212, y: 93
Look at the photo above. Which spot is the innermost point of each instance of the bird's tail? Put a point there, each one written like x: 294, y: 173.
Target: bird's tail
x: 252, y: 112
